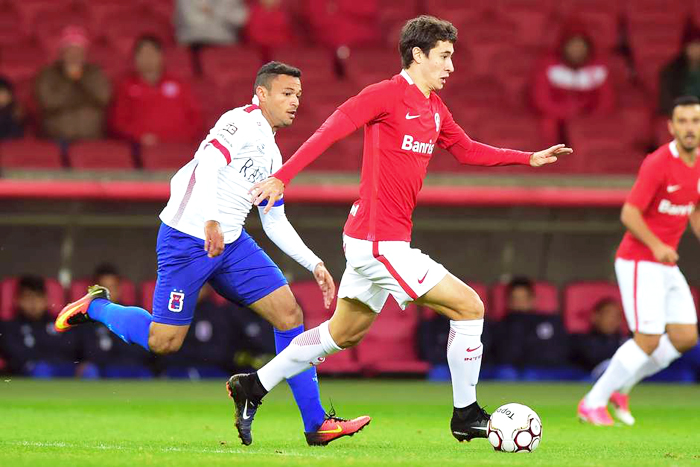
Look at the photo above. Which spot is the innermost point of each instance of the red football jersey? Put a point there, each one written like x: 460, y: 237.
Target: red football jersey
x: 401, y: 129
x: 666, y: 191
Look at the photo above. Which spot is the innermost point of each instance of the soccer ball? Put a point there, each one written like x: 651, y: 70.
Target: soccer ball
x: 514, y: 428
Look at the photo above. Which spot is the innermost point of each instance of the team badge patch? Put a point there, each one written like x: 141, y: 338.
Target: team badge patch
x: 177, y: 300
x: 437, y: 122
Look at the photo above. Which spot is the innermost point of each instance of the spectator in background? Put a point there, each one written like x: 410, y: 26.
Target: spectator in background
x: 528, y: 337
x: 572, y: 82
x: 600, y: 343
x: 152, y: 106
x: 29, y: 342
x: 681, y: 76
x: 269, y: 26
x: 72, y: 94
x: 11, y: 114
x: 209, y: 22
x: 108, y: 276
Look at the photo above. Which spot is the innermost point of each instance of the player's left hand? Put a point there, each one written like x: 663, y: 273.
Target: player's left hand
x: 549, y: 156
x: 270, y: 189
x: 325, y: 282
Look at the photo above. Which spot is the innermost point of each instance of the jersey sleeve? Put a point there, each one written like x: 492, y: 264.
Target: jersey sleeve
x: 369, y: 105
x: 650, y: 178
x: 467, y: 151
x: 228, y: 137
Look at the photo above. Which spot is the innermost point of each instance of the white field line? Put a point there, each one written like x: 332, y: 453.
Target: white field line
x: 115, y: 447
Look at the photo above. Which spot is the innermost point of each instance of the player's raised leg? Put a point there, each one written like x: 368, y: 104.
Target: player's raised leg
x: 350, y: 322
x: 457, y: 301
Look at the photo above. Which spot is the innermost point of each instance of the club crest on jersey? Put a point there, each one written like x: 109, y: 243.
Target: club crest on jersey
x: 437, y: 122
x: 177, y: 300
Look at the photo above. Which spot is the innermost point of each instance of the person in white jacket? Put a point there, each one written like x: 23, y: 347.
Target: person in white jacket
x: 209, y: 22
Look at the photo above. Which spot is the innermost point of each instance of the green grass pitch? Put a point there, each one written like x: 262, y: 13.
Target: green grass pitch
x: 68, y: 423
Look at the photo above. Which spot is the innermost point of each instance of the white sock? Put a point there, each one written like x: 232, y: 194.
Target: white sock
x: 661, y: 358
x: 628, y: 359
x: 307, y: 349
x: 464, y: 351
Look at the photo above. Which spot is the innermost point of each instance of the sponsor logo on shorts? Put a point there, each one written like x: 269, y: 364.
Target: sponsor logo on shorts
x: 177, y: 301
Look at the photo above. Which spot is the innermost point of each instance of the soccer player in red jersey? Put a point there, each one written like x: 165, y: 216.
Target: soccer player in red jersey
x: 403, y: 120
x: 658, y: 304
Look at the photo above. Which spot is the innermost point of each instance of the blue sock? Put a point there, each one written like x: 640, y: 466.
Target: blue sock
x: 304, y: 385
x: 131, y: 323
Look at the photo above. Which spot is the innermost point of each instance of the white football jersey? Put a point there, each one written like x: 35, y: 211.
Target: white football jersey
x: 245, y: 143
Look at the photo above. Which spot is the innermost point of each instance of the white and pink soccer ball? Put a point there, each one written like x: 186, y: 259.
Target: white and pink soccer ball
x: 514, y: 428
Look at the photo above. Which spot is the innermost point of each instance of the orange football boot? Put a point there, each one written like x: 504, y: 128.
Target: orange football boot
x: 335, y: 427
x: 76, y: 313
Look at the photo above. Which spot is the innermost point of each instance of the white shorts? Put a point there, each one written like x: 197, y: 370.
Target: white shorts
x: 654, y: 295
x: 377, y: 269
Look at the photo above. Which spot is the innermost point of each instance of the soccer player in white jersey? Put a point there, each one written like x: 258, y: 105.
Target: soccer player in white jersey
x: 658, y: 304
x: 202, y: 239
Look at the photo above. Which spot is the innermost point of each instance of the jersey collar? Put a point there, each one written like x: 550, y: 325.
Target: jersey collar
x: 674, y: 149
x: 255, y: 101
x: 407, y: 77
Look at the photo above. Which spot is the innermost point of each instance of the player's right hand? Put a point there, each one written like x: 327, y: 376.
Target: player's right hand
x: 270, y: 189
x: 665, y: 254
x: 213, y: 239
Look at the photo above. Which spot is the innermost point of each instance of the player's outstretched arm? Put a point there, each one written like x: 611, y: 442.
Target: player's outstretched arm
x: 549, y: 156
x: 278, y: 229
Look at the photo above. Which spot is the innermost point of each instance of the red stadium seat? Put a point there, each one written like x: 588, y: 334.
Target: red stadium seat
x: 167, y: 156
x: 48, y: 24
x: 12, y: 28
x: 309, y: 298
x: 579, y: 300
x: 390, y: 345
x: 8, y: 290
x: 111, y: 60
x: 147, y: 290
x: 546, y: 300
x: 316, y: 64
x: 366, y: 66
x: 122, y: 29
x: 99, y: 154
x: 30, y: 154
x: 234, y: 64
x: 178, y: 61
x: 23, y: 59
x: 127, y: 290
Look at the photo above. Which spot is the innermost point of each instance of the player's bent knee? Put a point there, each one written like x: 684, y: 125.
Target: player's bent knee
x: 470, y: 308
x: 290, y: 318
x: 647, y: 342
x: 684, y: 342
x: 163, y: 345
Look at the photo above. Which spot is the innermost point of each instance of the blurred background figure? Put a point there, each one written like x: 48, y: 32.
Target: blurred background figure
x: 269, y: 25
x: 72, y: 94
x: 526, y: 336
x: 209, y: 22
x: 681, y: 77
x: 572, y: 81
x: 107, y: 275
x: 11, y: 113
x: 29, y: 343
x: 600, y: 343
x: 151, y: 105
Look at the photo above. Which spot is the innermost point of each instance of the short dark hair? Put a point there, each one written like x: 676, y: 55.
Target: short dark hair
x: 105, y: 269
x: 682, y: 101
x: 147, y: 39
x: 271, y: 70
x: 521, y: 281
x: 424, y: 32
x: 31, y: 283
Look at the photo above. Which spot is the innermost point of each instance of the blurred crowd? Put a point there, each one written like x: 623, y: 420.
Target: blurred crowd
x: 526, y: 343
x: 578, y: 75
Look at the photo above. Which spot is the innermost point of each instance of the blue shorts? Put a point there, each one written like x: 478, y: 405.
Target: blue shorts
x: 242, y: 273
